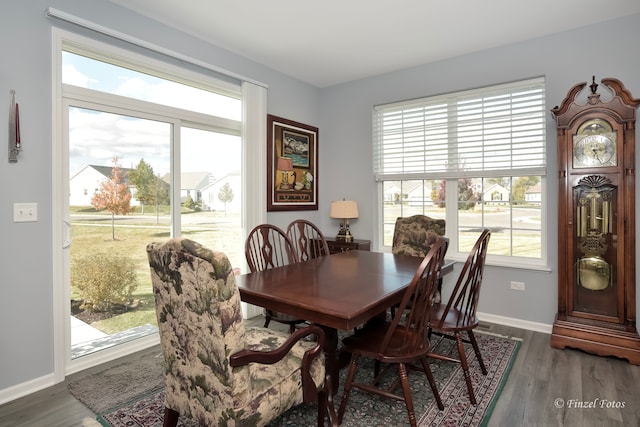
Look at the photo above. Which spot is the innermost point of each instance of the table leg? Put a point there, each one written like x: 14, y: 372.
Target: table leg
x: 332, y: 368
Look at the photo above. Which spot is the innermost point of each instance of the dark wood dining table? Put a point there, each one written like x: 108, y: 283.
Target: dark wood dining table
x: 337, y: 292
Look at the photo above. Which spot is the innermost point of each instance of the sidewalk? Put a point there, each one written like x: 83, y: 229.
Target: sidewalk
x: 82, y: 332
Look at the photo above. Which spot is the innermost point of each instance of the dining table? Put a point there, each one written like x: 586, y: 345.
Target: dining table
x: 337, y: 292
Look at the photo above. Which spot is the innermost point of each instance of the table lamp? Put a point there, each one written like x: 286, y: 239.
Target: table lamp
x: 285, y: 165
x: 344, y: 210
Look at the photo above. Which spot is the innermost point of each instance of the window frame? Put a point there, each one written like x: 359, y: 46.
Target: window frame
x: 251, y: 128
x: 451, y: 215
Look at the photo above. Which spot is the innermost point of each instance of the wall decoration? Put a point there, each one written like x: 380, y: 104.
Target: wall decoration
x: 14, y: 129
x: 292, y: 165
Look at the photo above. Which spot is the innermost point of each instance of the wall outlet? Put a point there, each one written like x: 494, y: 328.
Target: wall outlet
x: 25, y: 212
x: 518, y: 286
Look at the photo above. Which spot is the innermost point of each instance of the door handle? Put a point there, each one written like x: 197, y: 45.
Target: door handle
x: 66, y: 231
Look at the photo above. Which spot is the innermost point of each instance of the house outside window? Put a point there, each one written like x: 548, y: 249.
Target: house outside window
x: 474, y: 158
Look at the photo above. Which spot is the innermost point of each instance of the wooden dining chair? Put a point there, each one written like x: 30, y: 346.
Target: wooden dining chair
x: 414, y: 235
x: 308, y: 241
x: 458, y: 315
x: 401, y: 342
x: 268, y: 246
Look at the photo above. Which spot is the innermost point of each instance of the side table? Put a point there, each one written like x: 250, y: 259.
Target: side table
x: 338, y: 245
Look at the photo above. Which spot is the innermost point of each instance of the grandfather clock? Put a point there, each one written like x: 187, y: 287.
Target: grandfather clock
x: 596, y: 223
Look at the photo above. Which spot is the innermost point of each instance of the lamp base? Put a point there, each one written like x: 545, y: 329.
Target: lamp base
x: 345, y: 235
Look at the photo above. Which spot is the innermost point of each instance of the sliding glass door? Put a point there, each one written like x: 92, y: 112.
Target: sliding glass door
x: 147, y: 159
x: 118, y: 202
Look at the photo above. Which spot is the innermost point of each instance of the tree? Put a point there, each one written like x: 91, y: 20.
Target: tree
x: 225, y: 195
x: 439, y: 193
x: 151, y: 190
x: 113, y: 195
x: 467, y: 198
x: 161, y: 195
x: 521, y: 185
x: 142, y: 177
x: 189, y: 203
x: 503, y: 181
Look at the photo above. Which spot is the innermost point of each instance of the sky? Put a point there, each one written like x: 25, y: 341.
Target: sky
x: 96, y: 137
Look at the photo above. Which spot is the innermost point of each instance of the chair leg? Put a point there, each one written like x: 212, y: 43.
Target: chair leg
x: 267, y: 320
x: 347, y: 387
x: 322, y: 408
x: 406, y: 391
x: 476, y: 349
x: 376, y: 369
x: 432, y: 383
x: 292, y: 328
x: 465, y: 367
x: 170, y: 418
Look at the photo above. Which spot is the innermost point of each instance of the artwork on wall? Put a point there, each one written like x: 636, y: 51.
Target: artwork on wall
x: 292, y: 165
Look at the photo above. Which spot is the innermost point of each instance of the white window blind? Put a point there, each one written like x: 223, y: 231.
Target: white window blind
x: 491, y: 132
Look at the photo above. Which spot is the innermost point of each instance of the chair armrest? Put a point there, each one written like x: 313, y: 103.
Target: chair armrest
x: 246, y: 356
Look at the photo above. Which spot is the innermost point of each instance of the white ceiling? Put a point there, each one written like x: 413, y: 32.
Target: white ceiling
x: 327, y: 42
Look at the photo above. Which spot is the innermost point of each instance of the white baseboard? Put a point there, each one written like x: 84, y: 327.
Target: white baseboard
x: 28, y: 387
x: 23, y: 389
x: 516, y: 323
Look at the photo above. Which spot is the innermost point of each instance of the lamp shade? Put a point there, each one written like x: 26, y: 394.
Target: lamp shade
x: 344, y: 209
x: 285, y: 164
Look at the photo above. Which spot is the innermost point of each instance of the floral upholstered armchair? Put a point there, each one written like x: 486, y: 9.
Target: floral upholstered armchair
x: 218, y: 372
x: 414, y: 235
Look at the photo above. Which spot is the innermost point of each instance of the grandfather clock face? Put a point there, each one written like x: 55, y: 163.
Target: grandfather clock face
x: 594, y: 145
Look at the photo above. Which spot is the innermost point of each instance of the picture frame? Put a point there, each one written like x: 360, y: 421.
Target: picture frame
x: 292, y: 165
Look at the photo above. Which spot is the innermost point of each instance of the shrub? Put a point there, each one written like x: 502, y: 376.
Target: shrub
x: 103, y: 279
x: 189, y: 203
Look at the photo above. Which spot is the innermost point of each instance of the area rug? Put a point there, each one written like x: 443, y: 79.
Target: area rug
x: 499, y: 353
x: 125, y: 381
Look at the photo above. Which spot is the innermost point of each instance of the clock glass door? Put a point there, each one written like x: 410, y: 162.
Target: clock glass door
x: 595, y: 244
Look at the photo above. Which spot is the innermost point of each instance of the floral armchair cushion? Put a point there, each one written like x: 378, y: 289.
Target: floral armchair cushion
x: 201, y: 326
x: 414, y: 235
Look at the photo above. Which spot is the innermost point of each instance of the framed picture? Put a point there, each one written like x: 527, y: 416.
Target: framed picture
x: 292, y: 165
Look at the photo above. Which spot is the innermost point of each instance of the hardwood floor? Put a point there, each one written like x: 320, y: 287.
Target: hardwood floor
x: 547, y: 387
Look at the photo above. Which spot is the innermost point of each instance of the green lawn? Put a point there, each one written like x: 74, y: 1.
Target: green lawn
x: 93, y: 233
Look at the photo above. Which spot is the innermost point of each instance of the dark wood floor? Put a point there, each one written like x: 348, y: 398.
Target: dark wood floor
x: 545, y: 388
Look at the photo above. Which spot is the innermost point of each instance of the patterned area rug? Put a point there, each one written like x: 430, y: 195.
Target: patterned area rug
x: 367, y: 410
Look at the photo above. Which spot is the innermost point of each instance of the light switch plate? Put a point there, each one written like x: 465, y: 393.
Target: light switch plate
x: 25, y: 212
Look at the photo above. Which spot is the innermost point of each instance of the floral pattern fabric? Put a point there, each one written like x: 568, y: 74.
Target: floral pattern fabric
x: 200, y: 323
x: 414, y: 235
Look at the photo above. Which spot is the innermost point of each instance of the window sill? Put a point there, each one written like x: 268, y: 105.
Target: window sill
x: 516, y: 264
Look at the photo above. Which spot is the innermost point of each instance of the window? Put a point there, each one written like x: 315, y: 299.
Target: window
x: 474, y: 158
x: 169, y: 142
x: 179, y: 119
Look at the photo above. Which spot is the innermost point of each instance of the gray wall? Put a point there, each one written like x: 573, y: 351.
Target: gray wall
x: 342, y: 113
x: 565, y: 59
x: 26, y: 313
